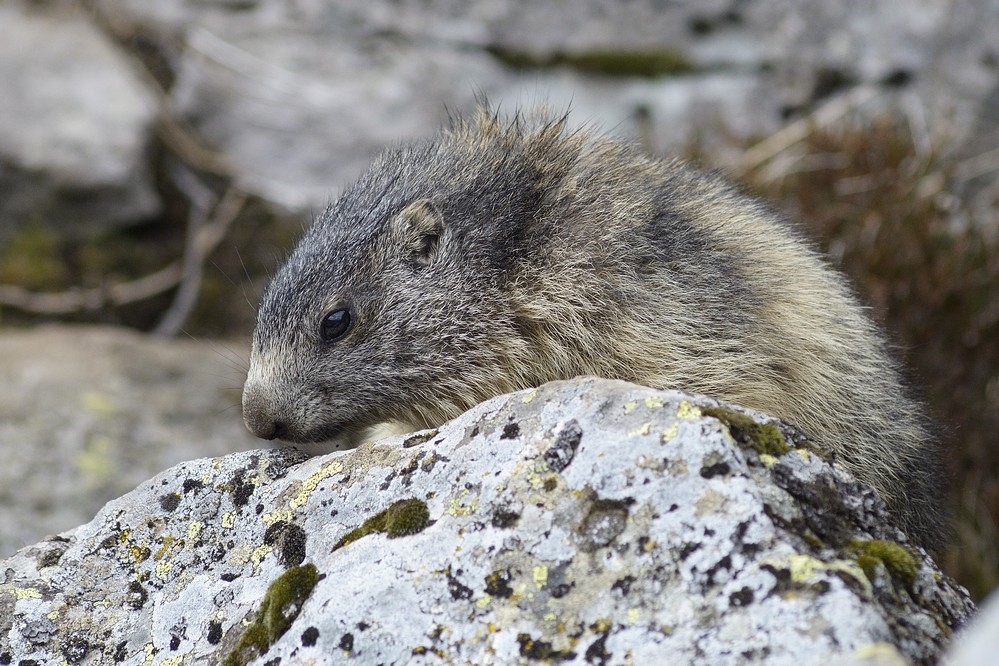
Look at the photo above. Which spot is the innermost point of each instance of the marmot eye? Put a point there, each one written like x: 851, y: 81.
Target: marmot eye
x: 334, y: 325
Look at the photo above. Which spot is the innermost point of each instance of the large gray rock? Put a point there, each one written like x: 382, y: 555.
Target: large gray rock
x: 583, y: 522
x: 87, y: 413
x: 75, y: 125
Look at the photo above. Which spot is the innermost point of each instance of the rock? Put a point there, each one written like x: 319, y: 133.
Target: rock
x: 978, y: 643
x: 75, y: 124
x: 587, y: 521
x: 300, y: 96
x: 87, y: 413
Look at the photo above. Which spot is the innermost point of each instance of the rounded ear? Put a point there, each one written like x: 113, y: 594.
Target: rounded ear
x: 418, y: 228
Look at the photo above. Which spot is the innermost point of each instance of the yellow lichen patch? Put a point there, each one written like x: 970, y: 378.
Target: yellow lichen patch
x: 654, y: 401
x: 540, y: 575
x: 309, y: 485
x: 167, y: 542
x: 642, y: 430
x: 228, y: 519
x: 633, y: 615
x: 194, y: 529
x: 172, y: 661
x: 259, y: 553
x: 275, y: 516
x: 26, y: 593
x: 456, y: 508
x: 687, y: 411
x: 530, y: 396
x: 803, y: 570
x: 629, y: 407
x: 669, y: 433
x: 163, y: 569
x: 768, y: 460
x: 98, y: 403
x: 483, y: 601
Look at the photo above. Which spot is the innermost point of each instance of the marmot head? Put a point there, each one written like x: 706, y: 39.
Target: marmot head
x: 393, y: 305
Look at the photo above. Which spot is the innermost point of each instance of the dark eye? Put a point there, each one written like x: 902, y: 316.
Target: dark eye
x: 334, y: 325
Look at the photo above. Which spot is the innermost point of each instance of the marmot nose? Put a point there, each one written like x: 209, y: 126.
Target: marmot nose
x: 260, y: 417
x: 272, y: 430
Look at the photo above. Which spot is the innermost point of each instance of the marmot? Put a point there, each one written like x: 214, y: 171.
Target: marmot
x: 508, y: 252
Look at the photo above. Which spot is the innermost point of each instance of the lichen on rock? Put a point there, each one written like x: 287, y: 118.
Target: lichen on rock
x: 618, y: 522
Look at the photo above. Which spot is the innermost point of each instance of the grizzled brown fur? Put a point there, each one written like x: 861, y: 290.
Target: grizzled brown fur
x: 503, y: 254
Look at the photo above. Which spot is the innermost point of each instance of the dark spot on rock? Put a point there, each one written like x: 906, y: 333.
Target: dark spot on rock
x: 743, y: 597
x: 498, y: 584
x: 538, y: 649
x: 75, y: 649
x: 688, y: 549
x: 214, y: 632
x: 604, y: 521
x: 137, y: 595
x: 276, y: 661
x: 229, y: 577
x: 362, y: 626
x: 623, y: 585
x: 550, y: 484
x: 174, y: 643
x: 241, y: 489
x: 28, y: 662
x: 56, y: 547
x: 5, y: 658
x: 259, y: 509
x: 456, y: 588
x: 510, y: 431
x: 898, y: 78
x: 347, y: 642
x: 724, y: 563
x: 560, y: 454
x: 717, y: 469
x: 170, y: 501
x: 560, y: 590
x: 192, y: 484
x: 418, y: 438
x: 701, y: 25
x: 120, y: 652
x: 310, y: 636
x: 289, y: 540
x: 597, y: 652
x: 821, y: 501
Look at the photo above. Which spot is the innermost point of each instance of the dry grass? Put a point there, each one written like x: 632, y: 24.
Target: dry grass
x: 879, y: 199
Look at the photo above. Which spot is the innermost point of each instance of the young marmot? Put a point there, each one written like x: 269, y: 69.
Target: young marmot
x: 503, y: 254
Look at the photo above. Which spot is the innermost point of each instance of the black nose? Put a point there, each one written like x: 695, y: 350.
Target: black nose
x: 272, y: 430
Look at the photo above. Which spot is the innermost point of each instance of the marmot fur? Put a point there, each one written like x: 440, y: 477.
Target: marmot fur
x: 503, y: 254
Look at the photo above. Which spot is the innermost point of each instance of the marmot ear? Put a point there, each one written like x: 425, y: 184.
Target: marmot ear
x: 418, y: 228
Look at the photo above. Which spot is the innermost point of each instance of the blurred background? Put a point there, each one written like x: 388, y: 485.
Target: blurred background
x: 158, y: 159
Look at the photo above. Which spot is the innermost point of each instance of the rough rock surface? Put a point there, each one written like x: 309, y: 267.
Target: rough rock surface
x: 87, y: 413
x: 583, y: 522
x: 75, y: 124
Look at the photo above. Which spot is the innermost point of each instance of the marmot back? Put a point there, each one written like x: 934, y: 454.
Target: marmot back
x: 500, y: 255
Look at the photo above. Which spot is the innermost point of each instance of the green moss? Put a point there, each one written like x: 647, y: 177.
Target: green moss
x: 281, y: 605
x: 900, y: 564
x: 33, y: 258
x: 404, y: 517
x: 765, y: 438
x: 648, y: 63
